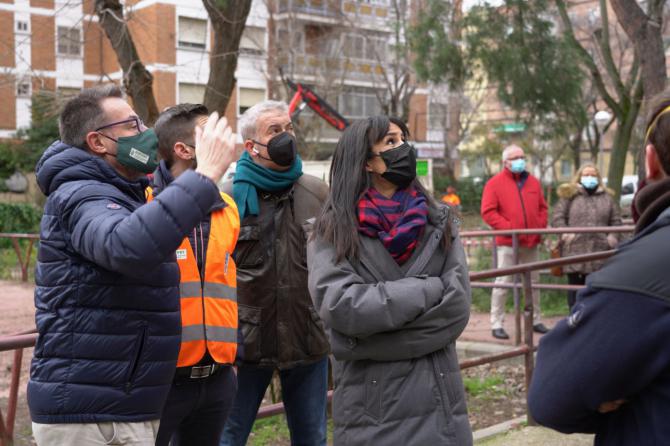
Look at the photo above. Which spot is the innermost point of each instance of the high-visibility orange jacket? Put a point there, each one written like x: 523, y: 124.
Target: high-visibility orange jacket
x: 451, y: 199
x: 209, y: 305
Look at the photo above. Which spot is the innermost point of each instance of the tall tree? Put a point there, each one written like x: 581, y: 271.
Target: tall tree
x: 228, y: 19
x: 533, y: 67
x: 436, y: 39
x: 626, y: 84
x: 137, y: 80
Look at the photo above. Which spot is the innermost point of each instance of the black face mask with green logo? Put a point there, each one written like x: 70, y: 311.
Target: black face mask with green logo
x: 137, y: 152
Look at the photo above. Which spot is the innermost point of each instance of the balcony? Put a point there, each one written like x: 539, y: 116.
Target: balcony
x: 302, y: 64
x: 321, y: 8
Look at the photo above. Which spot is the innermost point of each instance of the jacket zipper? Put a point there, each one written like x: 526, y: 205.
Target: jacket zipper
x: 136, y: 360
x: 201, y: 272
x: 523, y: 206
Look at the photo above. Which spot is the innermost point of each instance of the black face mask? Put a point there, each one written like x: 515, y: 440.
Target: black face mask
x: 281, y: 149
x: 400, y: 165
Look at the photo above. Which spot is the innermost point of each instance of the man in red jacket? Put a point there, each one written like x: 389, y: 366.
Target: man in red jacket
x: 513, y: 199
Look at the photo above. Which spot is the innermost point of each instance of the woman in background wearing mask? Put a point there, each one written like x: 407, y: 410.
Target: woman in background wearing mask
x: 585, y: 202
x: 388, y: 276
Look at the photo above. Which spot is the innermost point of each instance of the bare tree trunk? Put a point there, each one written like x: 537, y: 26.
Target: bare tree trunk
x: 137, y: 80
x: 645, y: 31
x: 452, y: 133
x: 228, y: 19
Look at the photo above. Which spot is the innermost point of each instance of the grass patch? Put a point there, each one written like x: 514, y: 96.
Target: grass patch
x: 270, y: 431
x: 274, y: 431
x: 553, y: 302
x: 9, y: 264
x: 483, y: 387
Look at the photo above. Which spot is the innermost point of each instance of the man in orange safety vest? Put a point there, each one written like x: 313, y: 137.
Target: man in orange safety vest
x: 205, y: 382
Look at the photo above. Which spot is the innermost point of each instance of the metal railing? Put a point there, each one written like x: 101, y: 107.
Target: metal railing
x: 23, y: 340
x: 516, y: 284
x: 23, y: 261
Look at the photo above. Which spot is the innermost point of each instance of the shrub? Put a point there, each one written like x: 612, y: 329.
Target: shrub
x: 18, y: 217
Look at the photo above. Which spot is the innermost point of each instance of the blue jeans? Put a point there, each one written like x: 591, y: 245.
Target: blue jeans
x: 304, y: 391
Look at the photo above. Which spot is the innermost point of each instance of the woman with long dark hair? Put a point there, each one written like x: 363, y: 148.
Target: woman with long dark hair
x: 389, y: 279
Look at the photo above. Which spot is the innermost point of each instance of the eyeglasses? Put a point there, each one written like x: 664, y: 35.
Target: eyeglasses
x: 522, y: 157
x: 139, y: 125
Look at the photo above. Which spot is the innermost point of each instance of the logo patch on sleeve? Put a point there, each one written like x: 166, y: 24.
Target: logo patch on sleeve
x: 114, y: 206
x: 181, y: 254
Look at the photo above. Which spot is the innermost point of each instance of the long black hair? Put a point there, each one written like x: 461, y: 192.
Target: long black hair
x: 349, y: 180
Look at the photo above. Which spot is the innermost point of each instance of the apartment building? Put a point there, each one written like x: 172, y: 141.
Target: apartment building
x: 57, y: 45
x: 344, y: 48
x: 339, y: 47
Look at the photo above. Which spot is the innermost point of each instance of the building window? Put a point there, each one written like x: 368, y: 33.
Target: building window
x: 359, y: 103
x: 252, y: 41
x: 438, y: 115
x: 566, y: 168
x: 248, y: 97
x: 291, y: 40
x: 192, y: 33
x: 23, y: 88
x: 69, y: 41
x: 191, y: 93
x: 362, y: 47
x: 21, y: 26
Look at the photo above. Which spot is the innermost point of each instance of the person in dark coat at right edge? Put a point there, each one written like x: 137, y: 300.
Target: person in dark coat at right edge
x: 606, y: 368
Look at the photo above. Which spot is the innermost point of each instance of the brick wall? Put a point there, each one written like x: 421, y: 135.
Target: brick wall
x: 48, y: 4
x: 7, y: 58
x: 418, y: 108
x: 99, y: 56
x: 164, y: 88
x: 153, y: 30
x: 7, y: 97
x: 43, y: 43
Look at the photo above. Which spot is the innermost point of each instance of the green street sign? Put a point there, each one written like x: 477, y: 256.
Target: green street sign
x: 515, y: 127
x: 422, y: 168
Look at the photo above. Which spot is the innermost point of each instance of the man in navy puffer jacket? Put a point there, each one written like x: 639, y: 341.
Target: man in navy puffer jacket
x: 107, y: 296
x: 606, y: 369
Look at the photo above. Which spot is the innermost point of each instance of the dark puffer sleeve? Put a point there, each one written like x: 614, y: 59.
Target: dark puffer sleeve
x: 133, y: 242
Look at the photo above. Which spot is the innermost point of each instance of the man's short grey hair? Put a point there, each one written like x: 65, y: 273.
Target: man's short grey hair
x: 247, y: 122
x: 83, y: 114
x: 508, y: 149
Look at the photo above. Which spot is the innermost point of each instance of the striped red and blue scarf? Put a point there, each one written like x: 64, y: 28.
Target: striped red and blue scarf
x: 397, y: 221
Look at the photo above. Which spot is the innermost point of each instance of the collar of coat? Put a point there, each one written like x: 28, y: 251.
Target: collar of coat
x: 651, y: 201
x: 571, y: 190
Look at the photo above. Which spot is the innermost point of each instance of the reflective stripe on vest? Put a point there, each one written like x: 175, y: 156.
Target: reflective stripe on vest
x: 209, y: 309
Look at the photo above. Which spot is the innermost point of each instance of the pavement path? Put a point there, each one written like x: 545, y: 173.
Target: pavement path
x: 536, y: 436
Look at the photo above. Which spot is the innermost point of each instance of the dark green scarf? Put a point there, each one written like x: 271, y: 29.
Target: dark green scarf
x: 250, y: 176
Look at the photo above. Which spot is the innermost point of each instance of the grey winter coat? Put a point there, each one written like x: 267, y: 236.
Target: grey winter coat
x: 392, y: 332
x: 577, y: 207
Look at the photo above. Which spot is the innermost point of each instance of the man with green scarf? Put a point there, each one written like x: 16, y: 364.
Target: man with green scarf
x: 280, y: 329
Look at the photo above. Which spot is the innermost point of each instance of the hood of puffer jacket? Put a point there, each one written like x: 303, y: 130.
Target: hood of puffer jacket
x: 62, y: 163
x: 569, y: 190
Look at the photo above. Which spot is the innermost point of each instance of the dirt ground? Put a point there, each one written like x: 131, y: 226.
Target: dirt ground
x: 18, y: 315
x: 496, y: 403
